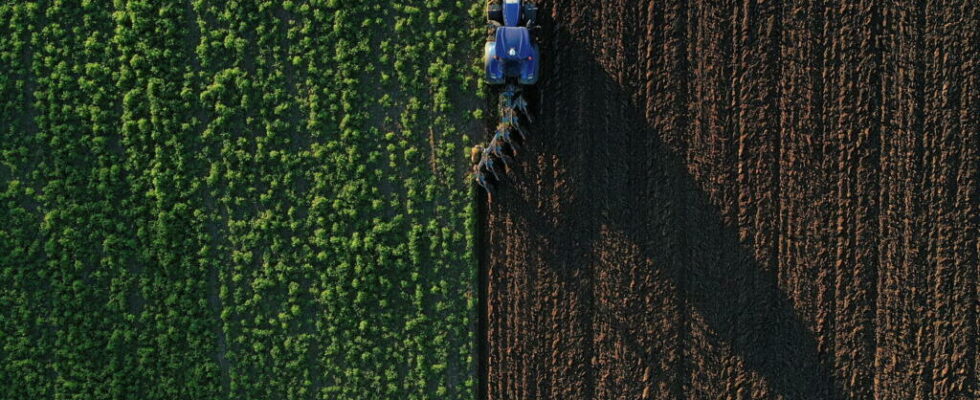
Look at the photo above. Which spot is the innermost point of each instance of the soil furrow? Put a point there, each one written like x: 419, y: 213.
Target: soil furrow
x: 742, y: 199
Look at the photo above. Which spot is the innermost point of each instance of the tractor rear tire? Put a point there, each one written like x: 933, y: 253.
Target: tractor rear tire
x: 495, y: 12
x: 530, y: 13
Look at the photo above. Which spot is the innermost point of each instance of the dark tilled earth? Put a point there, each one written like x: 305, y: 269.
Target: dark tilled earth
x: 742, y: 200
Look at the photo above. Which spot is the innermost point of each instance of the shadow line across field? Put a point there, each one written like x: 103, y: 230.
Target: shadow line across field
x: 634, y: 187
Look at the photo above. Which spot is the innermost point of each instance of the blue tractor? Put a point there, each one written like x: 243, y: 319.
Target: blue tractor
x: 511, y: 54
x: 511, y: 63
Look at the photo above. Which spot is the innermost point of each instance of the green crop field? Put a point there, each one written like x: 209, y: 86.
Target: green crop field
x: 237, y: 199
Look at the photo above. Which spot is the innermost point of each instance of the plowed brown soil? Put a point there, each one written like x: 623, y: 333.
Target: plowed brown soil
x: 750, y: 199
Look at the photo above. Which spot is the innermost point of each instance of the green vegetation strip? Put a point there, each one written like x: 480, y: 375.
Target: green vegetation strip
x: 234, y: 200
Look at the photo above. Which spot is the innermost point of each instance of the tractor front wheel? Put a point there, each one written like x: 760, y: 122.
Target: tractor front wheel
x: 495, y: 12
x: 530, y: 13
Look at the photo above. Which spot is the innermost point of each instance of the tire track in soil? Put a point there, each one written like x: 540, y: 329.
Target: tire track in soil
x: 742, y: 199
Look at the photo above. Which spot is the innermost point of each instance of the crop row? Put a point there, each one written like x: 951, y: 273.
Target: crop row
x: 236, y: 200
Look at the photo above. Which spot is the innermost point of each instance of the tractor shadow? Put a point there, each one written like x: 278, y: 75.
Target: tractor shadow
x: 607, y: 169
